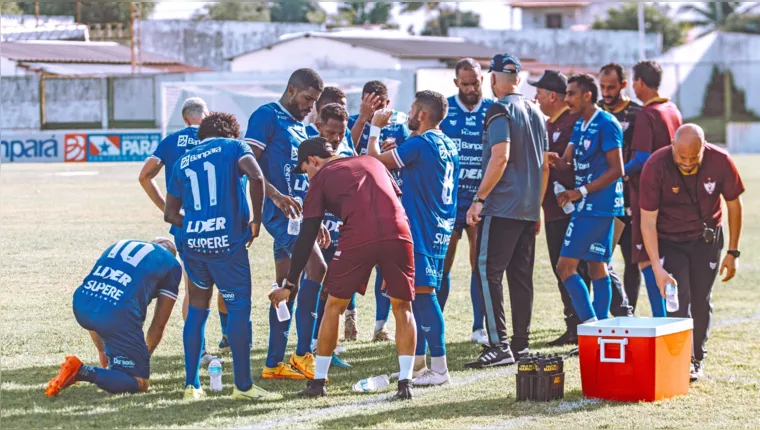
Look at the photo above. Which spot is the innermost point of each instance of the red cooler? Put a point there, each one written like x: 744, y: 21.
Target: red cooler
x: 635, y: 359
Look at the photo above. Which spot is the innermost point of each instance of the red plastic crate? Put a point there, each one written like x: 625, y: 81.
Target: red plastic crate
x: 635, y: 359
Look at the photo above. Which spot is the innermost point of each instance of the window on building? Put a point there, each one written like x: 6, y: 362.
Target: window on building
x: 553, y: 20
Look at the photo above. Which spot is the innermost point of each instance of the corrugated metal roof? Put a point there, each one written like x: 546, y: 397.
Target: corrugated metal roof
x: 547, y: 4
x: 407, y: 47
x: 76, y: 52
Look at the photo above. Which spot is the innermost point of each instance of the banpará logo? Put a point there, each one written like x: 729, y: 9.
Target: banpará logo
x: 192, y: 157
x: 123, y: 362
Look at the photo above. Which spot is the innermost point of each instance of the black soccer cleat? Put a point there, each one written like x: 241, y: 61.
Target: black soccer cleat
x: 567, y: 338
x: 404, y: 390
x: 314, y: 388
x: 492, y: 356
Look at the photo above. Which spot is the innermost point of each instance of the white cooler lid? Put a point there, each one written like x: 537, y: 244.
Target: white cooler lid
x: 635, y: 327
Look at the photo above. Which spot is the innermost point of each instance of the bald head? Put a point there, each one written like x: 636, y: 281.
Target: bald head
x: 688, y: 147
x: 504, y: 83
x: 166, y: 243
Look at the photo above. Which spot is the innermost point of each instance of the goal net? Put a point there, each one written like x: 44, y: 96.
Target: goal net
x: 241, y: 98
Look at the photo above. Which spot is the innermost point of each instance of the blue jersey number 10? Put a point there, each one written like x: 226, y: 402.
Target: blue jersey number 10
x: 126, y: 253
x: 211, y: 172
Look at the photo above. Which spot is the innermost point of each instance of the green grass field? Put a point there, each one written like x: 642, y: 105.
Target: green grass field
x: 57, y: 219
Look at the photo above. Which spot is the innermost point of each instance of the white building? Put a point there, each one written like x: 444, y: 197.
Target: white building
x: 560, y: 15
x: 360, y: 50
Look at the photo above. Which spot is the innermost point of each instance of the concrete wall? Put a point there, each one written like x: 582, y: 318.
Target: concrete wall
x: 743, y: 137
x: 533, y: 18
x: 566, y: 47
x: 20, y: 103
x: 209, y: 43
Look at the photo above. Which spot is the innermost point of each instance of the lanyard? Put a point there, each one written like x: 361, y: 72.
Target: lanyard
x: 694, y: 202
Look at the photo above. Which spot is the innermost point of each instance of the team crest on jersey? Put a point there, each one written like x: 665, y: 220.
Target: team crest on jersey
x: 676, y: 189
x: 710, y: 186
x: 294, y: 153
x: 624, y: 125
x: 182, y: 141
x: 453, y: 122
x: 586, y: 143
x: 470, y: 121
x: 713, y: 265
x: 556, y: 135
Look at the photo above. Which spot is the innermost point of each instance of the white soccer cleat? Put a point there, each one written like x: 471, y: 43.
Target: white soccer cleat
x: 415, y: 373
x: 480, y: 337
x: 192, y: 393
x: 430, y: 378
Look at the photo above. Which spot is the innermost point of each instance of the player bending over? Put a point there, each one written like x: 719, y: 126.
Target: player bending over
x: 111, y: 303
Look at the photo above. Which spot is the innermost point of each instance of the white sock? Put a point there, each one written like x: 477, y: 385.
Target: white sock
x: 379, y: 325
x: 350, y: 312
x: 438, y: 364
x: 322, y: 366
x: 405, y: 366
x: 314, y: 346
x: 420, y: 362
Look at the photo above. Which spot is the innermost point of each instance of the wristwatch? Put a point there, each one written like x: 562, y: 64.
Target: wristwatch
x: 287, y: 285
x: 477, y: 199
x: 735, y: 253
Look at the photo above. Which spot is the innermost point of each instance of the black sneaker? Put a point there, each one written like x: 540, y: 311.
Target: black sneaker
x: 314, y: 388
x: 404, y: 390
x: 519, y: 354
x: 492, y: 356
x: 567, y: 338
x: 697, y: 370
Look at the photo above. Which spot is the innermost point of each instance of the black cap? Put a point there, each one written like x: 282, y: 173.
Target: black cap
x: 551, y: 80
x: 499, y: 62
x: 316, y: 147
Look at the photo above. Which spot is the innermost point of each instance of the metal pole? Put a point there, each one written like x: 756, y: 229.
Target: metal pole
x: 37, y: 12
x: 642, y: 32
x: 79, y: 12
x: 459, y: 15
x: 132, y: 35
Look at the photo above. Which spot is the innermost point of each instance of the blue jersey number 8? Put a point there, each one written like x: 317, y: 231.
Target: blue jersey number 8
x: 448, y: 184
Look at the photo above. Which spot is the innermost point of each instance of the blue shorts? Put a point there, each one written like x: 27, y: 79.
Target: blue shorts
x: 428, y: 271
x: 589, y: 239
x: 329, y: 253
x: 461, y: 222
x: 283, y: 242
x: 123, y: 337
x: 231, y: 275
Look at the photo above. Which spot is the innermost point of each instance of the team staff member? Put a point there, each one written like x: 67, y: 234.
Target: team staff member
x: 464, y: 126
x: 166, y: 154
x: 374, y: 99
x: 375, y: 232
x: 654, y: 128
x: 612, y: 81
x: 595, y: 149
x: 682, y: 224
x: 507, y: 209
x: 274, y: 132
x: 550, y: 94
x: 111, y: 304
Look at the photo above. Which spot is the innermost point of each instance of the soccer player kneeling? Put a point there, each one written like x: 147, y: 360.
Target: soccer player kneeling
x: 111, y: 303
x: 375, y: 232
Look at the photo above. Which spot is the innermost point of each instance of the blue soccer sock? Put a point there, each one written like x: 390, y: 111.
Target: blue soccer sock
x: 239, y: 339
x: 320, y: 314
x: 278, y: 336
x: 352, y: 304
x: 443, y: 292
x: 602, y: 297
x: 478, y: 310
x: 653, y: 291
x: 193, y: 338
x: 417, y: 310
x: 223, y: 322
x: 432, y: 319
x: 382, y: 303
x: 111, y: 381
x: 580, y: 297
x: 306, y: 314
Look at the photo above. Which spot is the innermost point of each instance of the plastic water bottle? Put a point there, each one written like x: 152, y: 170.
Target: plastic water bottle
x: 283, y: 314
x: 372, y: 384
x: 215, y: 373
x: 397, y: 118
x: 569, y: 206
x: 671, y: 297
x: 294, y: 224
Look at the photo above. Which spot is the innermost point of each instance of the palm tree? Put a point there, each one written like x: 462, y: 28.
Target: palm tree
x: 713, y: 15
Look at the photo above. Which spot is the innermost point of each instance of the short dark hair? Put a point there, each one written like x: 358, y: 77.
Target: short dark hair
x: 467, y: 64
x: 377, y: 87
x: 219, y: 124
x: 435, y: 104
x: 617, y: 68
x: 333, y: 111
x: 587, y: 83
x: 649, y: 72
x: 303, y: 79
x: 330, y: 95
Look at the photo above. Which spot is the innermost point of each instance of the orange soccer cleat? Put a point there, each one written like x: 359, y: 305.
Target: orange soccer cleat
x: 65, y: 377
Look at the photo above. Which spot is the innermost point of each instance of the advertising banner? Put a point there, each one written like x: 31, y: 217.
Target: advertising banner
x: 76, y: 146
x: 121, y: 147
x: 32, y: 147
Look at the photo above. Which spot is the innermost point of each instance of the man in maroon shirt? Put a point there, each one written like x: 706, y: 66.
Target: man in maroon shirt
x: 375, y: 232
x: 654, y: 128
x: 682, y: 225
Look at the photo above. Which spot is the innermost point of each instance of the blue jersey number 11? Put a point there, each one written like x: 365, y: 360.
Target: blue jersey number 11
x: 211, y: 172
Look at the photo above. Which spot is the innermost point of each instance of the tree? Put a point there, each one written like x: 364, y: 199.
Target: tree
x: 360, y: 12
x: 10, y: 8
x: 745, y: 23
x: 92, y: 12
x: 714, y: 15
x: 714, y: 105
x: 235, y: 11
x: 297, y: 11
x: 655, y: 16
x: 447, y: 18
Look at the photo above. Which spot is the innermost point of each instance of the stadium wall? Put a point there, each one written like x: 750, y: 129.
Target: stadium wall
x: 209, y: 43
x: 566, y: 47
